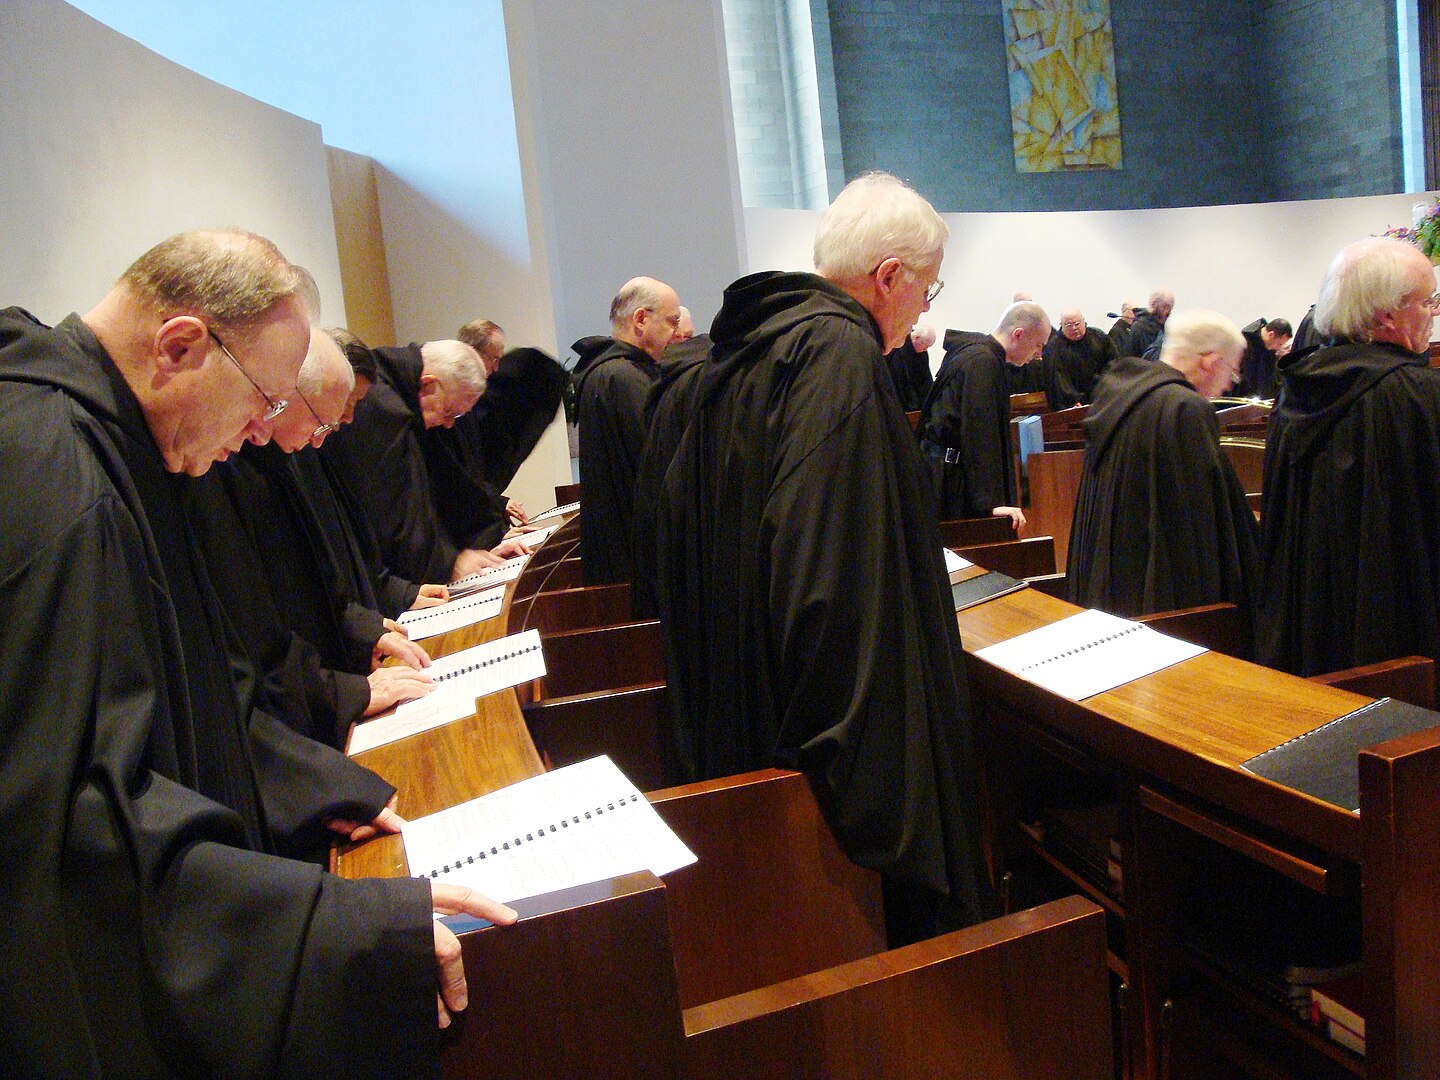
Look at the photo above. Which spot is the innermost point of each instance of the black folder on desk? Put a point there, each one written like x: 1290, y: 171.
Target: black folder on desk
x: 983, y: 587
x: 1323, y: 762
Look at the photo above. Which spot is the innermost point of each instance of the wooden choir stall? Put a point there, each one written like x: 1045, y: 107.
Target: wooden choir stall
x: 766, y: 957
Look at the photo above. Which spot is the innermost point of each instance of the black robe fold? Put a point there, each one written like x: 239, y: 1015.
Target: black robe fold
x: 668, y: 407
x: 968, y: 411
x: 381, y: 460
x: 806, y: 619
x: 611, y: 381
x: 279, y: 585
x: 1351, y: 522
x: 910, y: 372
x: 1143, y: 332
x: 1257, y: 366
x: 143, y: 800
x: 1161, y: 521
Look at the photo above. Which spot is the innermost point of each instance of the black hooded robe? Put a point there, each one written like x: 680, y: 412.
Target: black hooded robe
x: 1161, y: 521
x: 146, y: 913
x: 612, y: 379
x: 1351, y: 522
x: 1072, y: 367
x: 806, y: 618
x: 968, y: 415
x: 381, y: 460
x: 910, y: 371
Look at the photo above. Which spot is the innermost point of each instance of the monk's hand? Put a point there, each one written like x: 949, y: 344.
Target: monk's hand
x: 396, y: 683
x: 401, y: 648
x: 1014, y: 513
x: 516, y: 512
x: 453, y: 995
x: 472, y: 561
x: 430, y: 596
x: 508, y: 549
x: 386, y: 821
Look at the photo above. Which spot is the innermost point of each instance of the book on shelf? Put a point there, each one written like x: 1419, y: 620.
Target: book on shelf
x: 1324, y: 762
x: 579, y: 824
x: 1340, y: 1000
x: 1337, y: 1032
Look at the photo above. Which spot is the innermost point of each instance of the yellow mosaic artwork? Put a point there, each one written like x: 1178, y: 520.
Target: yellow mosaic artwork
x: 1063, y: 110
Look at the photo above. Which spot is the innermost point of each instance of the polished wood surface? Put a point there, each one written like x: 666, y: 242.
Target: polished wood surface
x: 967, y: 532
x: 1054, y: 487
x: 601, y: 658
x: 756, y: 910
x: 1247, y: 458
x: 1193, y: 723
x: 630, y: 724
x: 1023, y: 997
x: 1033, y: 403
x: 1214, y: 626
x: 1407, y: 678
x: 1032, y: 557
x: 578, y: 609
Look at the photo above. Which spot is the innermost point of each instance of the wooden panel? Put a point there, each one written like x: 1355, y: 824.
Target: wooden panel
x: 581, y: 986
x: 630, y: 724
x: 584, y: 661
x: 967, y: 532
x: 1065, y: 425
x: 1215, y: 626
x: 360, y: 245
x: 1031, y: 557
x: 566, y: 494
x: 1032, y: 404
x: 772, y: 896
x: 1410, y: 678
x: 1398, y: 782
x: 579, y: 609
x: 1247, y: 457
x: 1054, y: 487
x: 1017, y: 998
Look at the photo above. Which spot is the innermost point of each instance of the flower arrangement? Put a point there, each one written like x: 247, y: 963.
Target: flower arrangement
x: 1424, y: 233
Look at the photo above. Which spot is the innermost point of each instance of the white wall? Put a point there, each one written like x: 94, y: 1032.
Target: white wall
x: 110, y: 148
x: 628, y: 153
x: 1243, y: 261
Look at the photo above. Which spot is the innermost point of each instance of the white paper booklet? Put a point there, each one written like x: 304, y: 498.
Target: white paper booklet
x: 539, y: 536
x: 442, y: 618
x: 1088, y: 654
x: 954, y: 562
x: 583, y: 823
x: 558, y: 511
x: 508, y: 570
x: 460, y: 678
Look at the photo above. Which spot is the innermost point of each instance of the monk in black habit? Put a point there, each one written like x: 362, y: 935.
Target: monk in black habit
x: 965, y: 424
x: 1161, y: 521
x: 668, y: 407
x: 147, y: 807
x: 909, y: 365
x: 282, y: 586
x: 1073, y: 359
x: 414, y: 491
x: 1351, y: 521
x: 806, y: 617
x: 612, y: 378
x: 1266, y: 342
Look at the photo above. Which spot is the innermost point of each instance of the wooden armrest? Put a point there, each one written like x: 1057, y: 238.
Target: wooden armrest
x: 1408, y: 678
x: 602, y: 658
x: 630, y: 724
x: 1026, y: 995
x: 771, y: 896
x: 1220, y: 627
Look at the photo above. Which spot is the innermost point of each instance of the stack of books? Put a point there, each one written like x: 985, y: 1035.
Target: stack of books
x: 1086, y: 839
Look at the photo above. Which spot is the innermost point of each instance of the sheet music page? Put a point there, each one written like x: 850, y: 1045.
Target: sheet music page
x: 508, y: 570
x: 538, y: 536
x: 453, y: 614
x: 1088, y: 653
x: 583, y: 823
x: 460, y: 678
x: 557, y: 511
x: 954, y: 562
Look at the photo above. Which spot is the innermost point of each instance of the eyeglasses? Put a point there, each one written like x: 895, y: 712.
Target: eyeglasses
x: 931, y: 291
x: 273, y: 406
x: 323, y: 429
x: 1432, y: 301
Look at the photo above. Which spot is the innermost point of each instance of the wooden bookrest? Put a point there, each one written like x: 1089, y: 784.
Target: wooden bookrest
x: 1032, y: 557
x: 967, y: 532
x: 1409, y: 678
x: 578, y: 609
x: 602, y: 658
x: 631, y: 724
x: 1215, y: 626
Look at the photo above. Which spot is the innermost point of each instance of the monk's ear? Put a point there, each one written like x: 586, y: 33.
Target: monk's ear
x: 182, y: 344
x: 887, y: 274
x: 428, y: 382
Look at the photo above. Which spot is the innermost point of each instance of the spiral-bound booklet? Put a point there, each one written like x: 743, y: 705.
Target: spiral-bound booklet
x: 583, y: 823
x: 460, y: 678
x: 453, y: 614
x: 556, y: 511
x: 508, y: 570
x: 1088, y: 654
